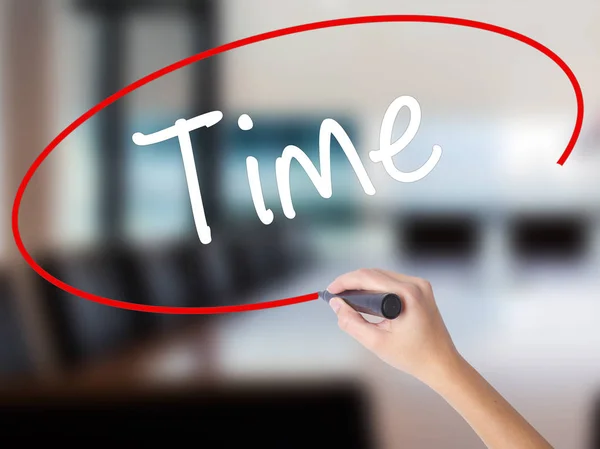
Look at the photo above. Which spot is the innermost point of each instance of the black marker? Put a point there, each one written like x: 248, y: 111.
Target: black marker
x: 384, y: 305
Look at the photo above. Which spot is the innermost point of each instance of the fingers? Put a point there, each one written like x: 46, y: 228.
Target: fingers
x: 366, y: 279
x: 423, y: 284
x: 353, y: 323
x: 363, y: 279
x: 399, y: 276
x: 385, y: 325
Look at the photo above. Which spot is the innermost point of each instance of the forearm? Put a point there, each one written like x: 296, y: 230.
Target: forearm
x: 496, y: 422
x: 419, y: 344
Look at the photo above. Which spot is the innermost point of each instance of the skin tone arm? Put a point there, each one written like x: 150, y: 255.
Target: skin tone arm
x: 418, y: 343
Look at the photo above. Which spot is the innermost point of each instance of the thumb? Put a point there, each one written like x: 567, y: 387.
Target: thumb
x: 353, y: 323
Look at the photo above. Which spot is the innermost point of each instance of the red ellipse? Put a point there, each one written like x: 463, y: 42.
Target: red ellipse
x: 231, y: 46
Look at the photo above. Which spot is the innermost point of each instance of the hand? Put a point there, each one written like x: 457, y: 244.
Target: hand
x: 417, y: 342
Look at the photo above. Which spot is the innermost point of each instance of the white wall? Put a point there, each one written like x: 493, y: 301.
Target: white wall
x: 365, y: 66
x: 440, y: 63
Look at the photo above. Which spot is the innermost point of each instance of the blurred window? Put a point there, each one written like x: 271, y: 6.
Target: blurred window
x: 156, y: 201
x: 266, y: 142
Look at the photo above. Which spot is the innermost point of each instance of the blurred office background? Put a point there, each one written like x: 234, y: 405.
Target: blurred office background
x: 509, y: 239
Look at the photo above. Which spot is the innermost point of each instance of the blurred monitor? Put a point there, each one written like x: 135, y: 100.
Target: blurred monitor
x: 556, y: 237
x: 266, y: 141
x: 444, y: 236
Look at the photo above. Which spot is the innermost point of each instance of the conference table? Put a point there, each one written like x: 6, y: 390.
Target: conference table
x: 536, y: 341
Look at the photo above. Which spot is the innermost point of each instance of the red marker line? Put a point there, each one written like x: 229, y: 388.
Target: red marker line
x: 238, y: 44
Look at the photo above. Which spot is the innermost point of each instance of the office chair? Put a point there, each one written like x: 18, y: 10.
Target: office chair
x: 85, y: 329
x: 441, y: 236
x: 15, y: 360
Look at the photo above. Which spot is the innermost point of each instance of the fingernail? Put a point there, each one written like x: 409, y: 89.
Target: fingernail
x: 335, y: 304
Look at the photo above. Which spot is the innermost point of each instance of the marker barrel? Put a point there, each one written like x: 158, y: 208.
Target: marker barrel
x: 384, y: 305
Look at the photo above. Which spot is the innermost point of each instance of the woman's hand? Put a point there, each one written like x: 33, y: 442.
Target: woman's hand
x: 417, y: 342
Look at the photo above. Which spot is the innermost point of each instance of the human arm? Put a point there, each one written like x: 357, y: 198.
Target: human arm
x: 418, y: 343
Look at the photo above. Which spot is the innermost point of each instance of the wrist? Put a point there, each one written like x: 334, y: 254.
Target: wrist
x: 448, y: 369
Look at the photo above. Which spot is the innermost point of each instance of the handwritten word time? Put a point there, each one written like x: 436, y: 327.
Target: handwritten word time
x: 321, y: 179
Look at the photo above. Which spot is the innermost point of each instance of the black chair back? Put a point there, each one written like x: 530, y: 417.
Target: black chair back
x: 86, y: 329
x: 15, y: 357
